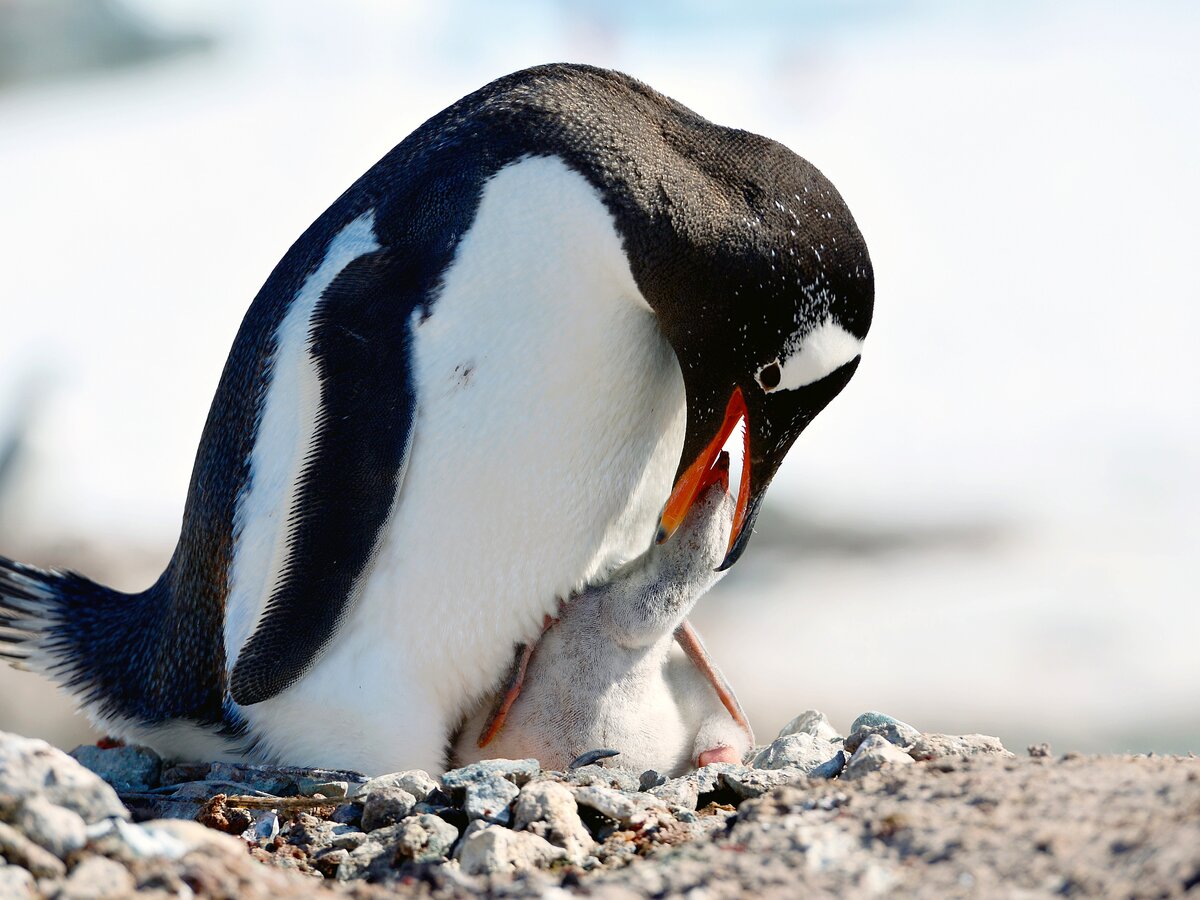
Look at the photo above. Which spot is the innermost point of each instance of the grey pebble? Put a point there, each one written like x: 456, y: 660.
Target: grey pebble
x: 21, y: 851
x: 264, y: 779
x: 799, y: 750
x: 386, y: 806
x: 651, y: 779
x: 708, y: 779
x: 127, y: 769
x: 682, y: 792
x: 813, y: 722
x: 604, y: 776
x: 162, y: 839
x: 98, y: 878
x: 935, y: 746
x: 59, y: 830
x: 314, y: 834
x: 424, y: 838
x: 518, y: 771
x: 874, y: 719
x: 490, y: 799
x: 897, y: 733
x: 348, y: 814
x: 367, y: 859
x: 873, y: 754
x: 30, y: 767
x: 348, y: 840
x: 266, y: 826
x: 615, y: 805
x: 548, y: 809
x: 17, y: 884
x: 416, y: 781
x: 487, y: 849
x: 329, y: 860
x: 750, y: 783
x: 310, y: 787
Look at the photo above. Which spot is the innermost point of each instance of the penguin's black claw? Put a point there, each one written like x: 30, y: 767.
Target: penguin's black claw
x: 590, y: 757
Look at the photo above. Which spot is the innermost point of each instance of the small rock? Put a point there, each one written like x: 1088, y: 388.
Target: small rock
x: 59, y: 830
x: 750, y: 783
x: 21, y: 851
x: 348, y: 840
x: 892, y: 730
x: 386, y: 806
x: 490, y: 799
x: 518, y: 771
x: 490, y: 848
x: 424, y: 838
x: 873, y: 719
x: 128, y: 769
x: 812, y: 722
x: 98, y: 878
x: 220, y: 815
x: 348, y: 814
x: 248, y: 779
x: 17, y: 884
x: 609, y: 803
x: 873, y: 754
x: 680, y: 792
x: 313, y: 834
x: 29, y: 767
x: 548, y: 810
x: 708, y: 778
x: 650, y: 779
x: 416, y: 781
x: 604, y: 776
x: 800, y: 750
x: 328, y: 861
x: 181, y: 772
x: 266, y: 825
x: 310, y: 787
x: 935, y: 746
x: 1039, y: 751
x: 164, y: 838
x: 367, y: 858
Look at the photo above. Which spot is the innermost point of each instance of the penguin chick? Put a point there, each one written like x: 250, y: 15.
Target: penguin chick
x: 622, y: 668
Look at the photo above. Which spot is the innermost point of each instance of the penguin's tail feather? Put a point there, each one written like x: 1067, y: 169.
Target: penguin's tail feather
x: 29, y: 603
x: 46, y: 618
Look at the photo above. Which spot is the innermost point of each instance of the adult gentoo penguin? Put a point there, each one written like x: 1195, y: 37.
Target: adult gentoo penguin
x: 491, y: 372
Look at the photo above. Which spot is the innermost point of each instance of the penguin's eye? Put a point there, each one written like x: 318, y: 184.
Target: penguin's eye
x: 769, y: 375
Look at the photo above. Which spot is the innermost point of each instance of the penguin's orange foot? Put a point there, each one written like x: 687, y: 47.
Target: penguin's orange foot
x: 109, y: 743
x: 718, y: 754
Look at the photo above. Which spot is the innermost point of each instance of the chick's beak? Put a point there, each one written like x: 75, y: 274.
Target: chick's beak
x: 707, y: 467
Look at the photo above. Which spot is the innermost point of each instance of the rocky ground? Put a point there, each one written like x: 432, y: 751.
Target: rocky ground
x: 885, y: 809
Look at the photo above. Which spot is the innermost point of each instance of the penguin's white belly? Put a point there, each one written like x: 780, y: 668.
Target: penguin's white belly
x: 550, y: 421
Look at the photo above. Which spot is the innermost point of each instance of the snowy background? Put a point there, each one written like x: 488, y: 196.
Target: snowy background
x: 994, y: 529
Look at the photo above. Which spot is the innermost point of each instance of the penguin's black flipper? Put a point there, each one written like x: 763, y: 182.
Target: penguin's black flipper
x: 359, y: 339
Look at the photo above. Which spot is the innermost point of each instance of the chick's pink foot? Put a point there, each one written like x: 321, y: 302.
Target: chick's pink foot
x: 716, y: 755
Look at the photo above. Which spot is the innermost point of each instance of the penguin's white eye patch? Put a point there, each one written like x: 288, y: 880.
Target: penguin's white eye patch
x: 809, y: 357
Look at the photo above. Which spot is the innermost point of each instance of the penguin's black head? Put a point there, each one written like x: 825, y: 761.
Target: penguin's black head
x: 756, y: 271
x: 766, y: 301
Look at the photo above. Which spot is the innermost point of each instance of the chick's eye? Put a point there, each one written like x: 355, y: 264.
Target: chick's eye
x: 769, y: 376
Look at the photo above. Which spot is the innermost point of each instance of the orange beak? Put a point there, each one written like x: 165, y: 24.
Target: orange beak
x: 700, y: 474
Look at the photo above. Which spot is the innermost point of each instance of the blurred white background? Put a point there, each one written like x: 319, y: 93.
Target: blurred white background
x: 994, y: 529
